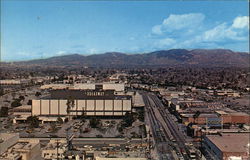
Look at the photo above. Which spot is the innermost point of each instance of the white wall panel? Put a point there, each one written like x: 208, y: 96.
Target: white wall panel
x: 108, y: 105
x: 81, y: 104
x: 63, y: 107
x: 45, y: 107
x: 54, y: 107
x: 99, y: 105
x: 35, y: 107
x: 90, y: 104
x: 117, y: 104
x: 127, y: 105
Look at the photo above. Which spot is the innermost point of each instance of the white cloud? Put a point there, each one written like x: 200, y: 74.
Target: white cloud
x: 59, y: 53
x: 157, y: 30
x: 241, y: 22
x: 165, y: 42
x: 224, y: 32
x: 190, y: 31
x: 177, y: 22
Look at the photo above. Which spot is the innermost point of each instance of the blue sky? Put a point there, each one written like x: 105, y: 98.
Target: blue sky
x: 40, y: 29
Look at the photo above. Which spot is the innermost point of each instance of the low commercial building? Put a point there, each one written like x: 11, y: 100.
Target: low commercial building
x: 7, y: 140
x: 10, y: 82
x: 225, y: 146
x: 21, y: 113
x: 54, y: 150
x: 14, y: 81
x: 202, y: 119
x: 23, y: 151
x: 229, y: 93
x: 13, y: 149
x: 82, y: 102
x: 221, y: 117
x: 233, y: 117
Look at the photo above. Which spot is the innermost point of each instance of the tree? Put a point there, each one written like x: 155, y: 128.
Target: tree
x: 1, y: 91
x: 59, y: 120
x: 38, y: 94
x: 22, y: 98
x: 70, y: 104
x: 33, y: 121
x: 141, y: 116
x: 94, y: 122
x: 128, y: 119
x: 16, y: 103
x: 4, y: 112
x: 53, y: 127
x: 83, y: 114
x: 29, y: 102
x: 190, y: 130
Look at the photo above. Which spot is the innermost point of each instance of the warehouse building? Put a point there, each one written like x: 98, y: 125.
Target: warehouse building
x: 82, y: 102
x: 227, y: 146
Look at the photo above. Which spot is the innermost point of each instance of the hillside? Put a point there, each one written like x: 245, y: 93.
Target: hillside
x: 174, y: 57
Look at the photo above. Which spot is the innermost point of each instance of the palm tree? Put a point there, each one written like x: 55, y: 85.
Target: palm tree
x: 70, y: 104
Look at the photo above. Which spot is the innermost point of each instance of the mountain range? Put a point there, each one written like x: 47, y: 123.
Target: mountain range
x: 173, y: 57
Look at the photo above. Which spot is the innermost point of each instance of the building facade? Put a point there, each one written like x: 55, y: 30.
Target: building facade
x: 82, y: 102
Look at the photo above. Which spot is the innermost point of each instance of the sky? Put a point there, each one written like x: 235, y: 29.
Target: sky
x: 39, y: 29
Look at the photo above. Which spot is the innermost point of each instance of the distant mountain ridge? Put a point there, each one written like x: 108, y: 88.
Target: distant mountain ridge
x: 173, y: 57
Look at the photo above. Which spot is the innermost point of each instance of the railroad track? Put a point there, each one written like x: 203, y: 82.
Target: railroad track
x: 178, y: 136
x: 161, y: 136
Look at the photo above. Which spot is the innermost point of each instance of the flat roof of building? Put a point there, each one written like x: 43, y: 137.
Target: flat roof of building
x: 221, y: 112
x: 23, y: 107
x: 230, y: 142
x: 231, y: 112
x: 6, y: 136
x: 201, y: 115
x: 24, y: 145
x: 138, y: 100
x: 239, y: 114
